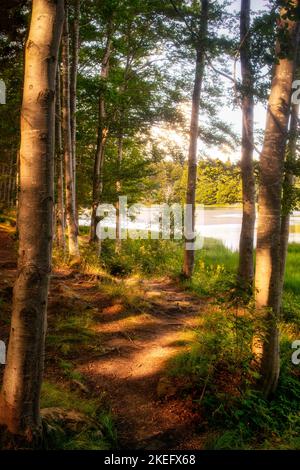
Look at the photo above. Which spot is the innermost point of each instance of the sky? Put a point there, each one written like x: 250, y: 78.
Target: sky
x: 227, y: 114
x: 234, y: 116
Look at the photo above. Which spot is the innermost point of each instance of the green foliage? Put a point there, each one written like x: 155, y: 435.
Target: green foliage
x: 215, y: 269
x: 249, y: 421
x: 138, y: 92
x: 218, y: 183
x: 133, y: 175
x: 219, y: 361
x: 59, y: 395
x: 236, y: 415
x: 149, y: 257
x: 68, y: 370
x: 68, y: 333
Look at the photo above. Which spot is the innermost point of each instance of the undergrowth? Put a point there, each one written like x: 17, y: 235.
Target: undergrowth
x: 217, y: 362
x: 59, y: 395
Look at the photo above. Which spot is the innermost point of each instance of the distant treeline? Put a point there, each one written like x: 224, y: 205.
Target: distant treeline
x: 218, y: 182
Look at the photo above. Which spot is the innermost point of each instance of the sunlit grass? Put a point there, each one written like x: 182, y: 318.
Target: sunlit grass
x: 292, y: 275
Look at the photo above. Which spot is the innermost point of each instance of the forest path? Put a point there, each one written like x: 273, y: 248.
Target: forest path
x: 137, y: 341
x: 147, y: 413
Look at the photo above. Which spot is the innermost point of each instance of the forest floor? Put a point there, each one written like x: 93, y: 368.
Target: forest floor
x: 118, y: 336
x: 133, y: 369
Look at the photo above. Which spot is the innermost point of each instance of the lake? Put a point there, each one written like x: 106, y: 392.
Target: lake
x: 223, y: 224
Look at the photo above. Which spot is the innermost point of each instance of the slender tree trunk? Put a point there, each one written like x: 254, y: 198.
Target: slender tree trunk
x: 189, y: 255
x: 101, y: 141
x: 20, y: 395
x: 67, y: 141
x: 10, y: 181
x: 118, y: 190
x: 61, y: 239
x: 246, y: 268
x: 288, y: 184
x: 17, y: 194
x: 1, y: 182
x: 73, y: 94
x: 267, y: 277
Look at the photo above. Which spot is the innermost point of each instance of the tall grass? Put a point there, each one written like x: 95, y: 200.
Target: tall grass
x: 292, y: 275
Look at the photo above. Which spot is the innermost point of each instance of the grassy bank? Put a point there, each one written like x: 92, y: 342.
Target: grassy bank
x: 217, y: 367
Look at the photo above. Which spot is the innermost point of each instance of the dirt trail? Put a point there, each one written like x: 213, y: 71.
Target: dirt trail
x: 138, y: 343
x: 132, y: 373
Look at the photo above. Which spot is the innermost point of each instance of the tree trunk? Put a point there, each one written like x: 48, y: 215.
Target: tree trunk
x: 118, y: 190
x: 101, y: 140
x: 189, y: 255
x: 17, y: 194
x: 267, y: 277
x: 288, y: 184
x: 61, y: 239
x: 66, y: 126
x: 20, y: 395
x: 73, y: 94
x: 246, y: 268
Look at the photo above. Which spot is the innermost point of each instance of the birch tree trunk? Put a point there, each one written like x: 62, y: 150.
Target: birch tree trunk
x: 61, y: 239
x: 189, y: 255
x: 118, y: 190
x: 288, y: 184
x: 101, y: 141
x: 67, y: 141
x: 246, y: 263
x: 20, y: 395
x: 267, y: 277
x: 73, y: 94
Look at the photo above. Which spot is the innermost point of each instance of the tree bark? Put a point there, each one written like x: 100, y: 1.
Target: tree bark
x: 246, y: 264
x: 73, y: 94
x: 118, y: 190
x: 267, y: 277
x: 189, y: 255
x: 67, y: 142
x: 288, y: 183
x: 61, y: 239
x: 101, y: 140
x: 20, y: 395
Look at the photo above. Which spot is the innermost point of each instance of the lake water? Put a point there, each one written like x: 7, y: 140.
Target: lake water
x: 223, y: 224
